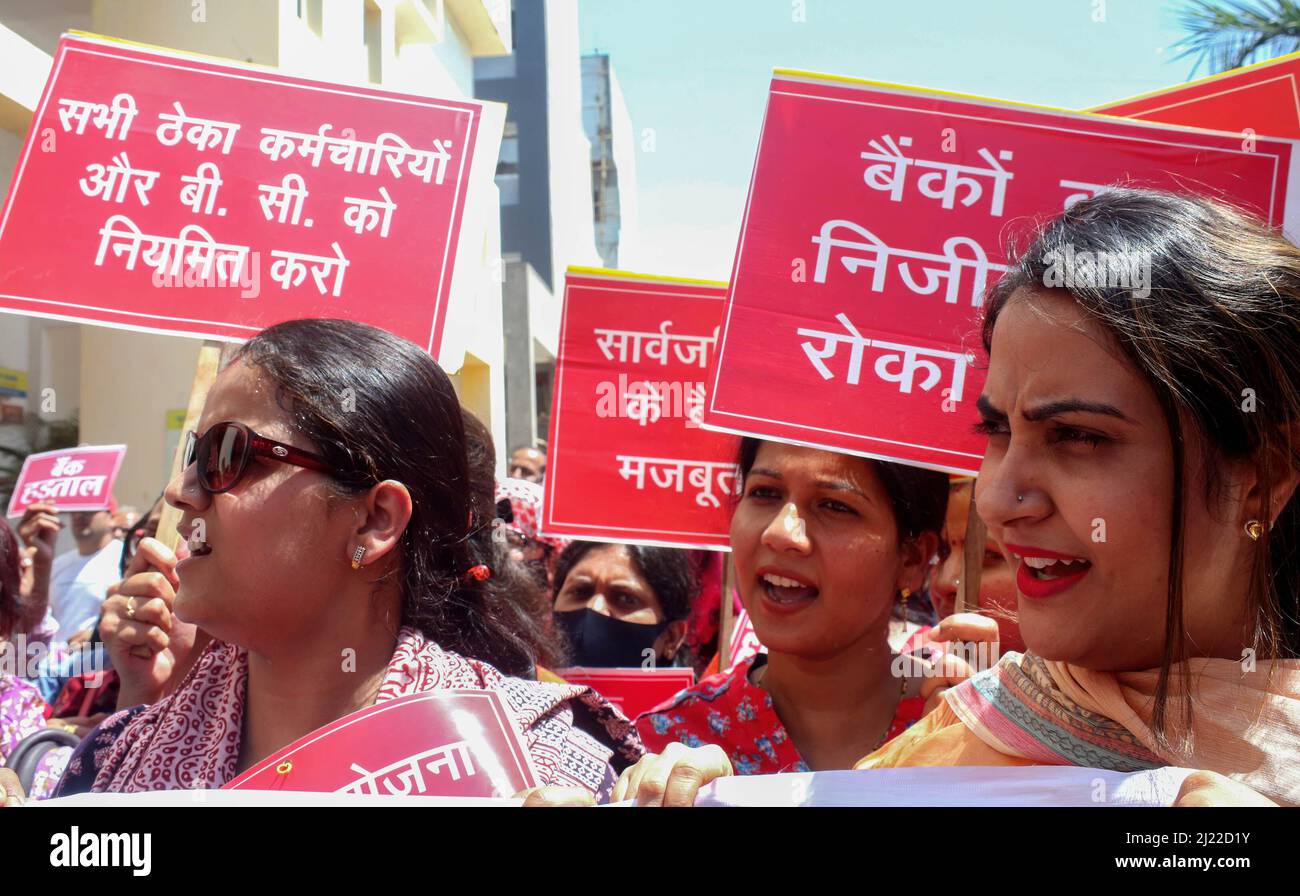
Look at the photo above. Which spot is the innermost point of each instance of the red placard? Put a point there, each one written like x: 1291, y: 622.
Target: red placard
x: 454, y: 742
x: 72, y: 479
x: 633, y: 691
x: 1262, y: 98
x: 174, y: 194
x: 877, y: 214
x: 627, y: 460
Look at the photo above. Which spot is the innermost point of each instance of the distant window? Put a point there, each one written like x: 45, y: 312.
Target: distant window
x: 508, y: 184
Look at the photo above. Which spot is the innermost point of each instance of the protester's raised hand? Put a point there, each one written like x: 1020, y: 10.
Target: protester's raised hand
x: 39, y: 530
x: 145, y: 641
x: 11, y: 791
x: 673, y: 777
x: 1213, y: 789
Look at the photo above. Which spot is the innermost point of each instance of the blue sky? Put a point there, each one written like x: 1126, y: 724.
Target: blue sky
x: 695, y: 73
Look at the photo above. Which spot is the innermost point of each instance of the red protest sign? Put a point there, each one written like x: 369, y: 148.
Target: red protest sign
x: 454, y: 742
x: 876, y: 218
x: 627, y: 460
x: 633, y: 691
x: 176, y: 194
x: 1258, y: 99
x: 71, y: 478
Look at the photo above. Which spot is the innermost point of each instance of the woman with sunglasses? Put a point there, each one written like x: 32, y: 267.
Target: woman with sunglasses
x: 336, y: 561
x: 1141, y: 474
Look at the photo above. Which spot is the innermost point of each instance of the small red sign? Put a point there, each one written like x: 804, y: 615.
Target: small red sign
x: 451, y: 742
x: 633, y: 691
x: 72, y: 479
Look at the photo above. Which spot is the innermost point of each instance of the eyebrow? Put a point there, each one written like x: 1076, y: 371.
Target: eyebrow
x: 1054, y: 408
x: 834, y: 485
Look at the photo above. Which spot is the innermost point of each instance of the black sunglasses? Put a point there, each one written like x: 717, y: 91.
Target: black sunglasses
x: 223, y: 452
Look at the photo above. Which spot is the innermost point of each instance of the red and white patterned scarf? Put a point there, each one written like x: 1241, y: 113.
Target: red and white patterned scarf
x: 192, y: 738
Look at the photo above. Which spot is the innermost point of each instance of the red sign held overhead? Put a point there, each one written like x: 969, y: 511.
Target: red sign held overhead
x: 877, y: 217
x: 627, y: 460
x: 1256, y: 99
x: 175, y: 194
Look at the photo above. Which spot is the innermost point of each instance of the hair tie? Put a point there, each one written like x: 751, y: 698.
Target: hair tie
x: 480, y: 573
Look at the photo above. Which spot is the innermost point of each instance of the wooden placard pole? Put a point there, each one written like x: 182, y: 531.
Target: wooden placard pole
x: 212, y: 354
x: 725, y: 621
x: 972, y: 561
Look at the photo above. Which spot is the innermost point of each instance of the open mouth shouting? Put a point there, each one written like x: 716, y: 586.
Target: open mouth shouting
x: 784, y: 591
x: 197, y: 546
x: 1043, y: 573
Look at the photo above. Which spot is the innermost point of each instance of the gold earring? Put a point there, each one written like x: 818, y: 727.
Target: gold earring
x: 903, y: 595
x: 356, y: 557
x: 1255, y: 529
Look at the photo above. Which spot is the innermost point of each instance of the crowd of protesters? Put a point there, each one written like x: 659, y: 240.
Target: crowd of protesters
x: 383, y: 529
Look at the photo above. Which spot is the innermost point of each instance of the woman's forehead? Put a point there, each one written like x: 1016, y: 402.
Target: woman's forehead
x: 813, y: 463
x: 1045, y: 347
x: 244, y: 394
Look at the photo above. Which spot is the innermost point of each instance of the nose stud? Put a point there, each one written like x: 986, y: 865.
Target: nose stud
x: 1020, y: 499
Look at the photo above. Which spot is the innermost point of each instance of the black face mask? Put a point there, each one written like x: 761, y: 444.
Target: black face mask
x: 599, y: 640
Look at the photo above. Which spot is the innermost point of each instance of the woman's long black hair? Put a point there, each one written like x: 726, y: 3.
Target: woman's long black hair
x: 378, y: 407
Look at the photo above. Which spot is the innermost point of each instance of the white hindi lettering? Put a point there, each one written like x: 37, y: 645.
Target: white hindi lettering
x: 193, y: 248
x: 102, y: 179
x: 290, y: 268
x: 672, y: 473
x: 67, y: 466
x: 899, y: 365
x: 286, y: 199
x: 63, y: 487
x: 627, y: 345
x: 406, y: 776
x: 871, y: 252
x: 643, y: 402
x: 359, y: 156
x: 200, y: 190
x: 202, y: 133
x: 889, y: 174
x: 890, y: 171
x: 114, y: 119
x: 364, y: 215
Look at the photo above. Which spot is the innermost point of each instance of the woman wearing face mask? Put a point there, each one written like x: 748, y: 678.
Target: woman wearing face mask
x: 1141, y: 470
x: 825, y: 546
x: 320, y: 529
x: 618, y: 605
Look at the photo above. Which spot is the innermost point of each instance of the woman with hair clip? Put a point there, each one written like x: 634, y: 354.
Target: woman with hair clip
x: 1141, y: 470
x: 321, y: 529
x: 825, y: 546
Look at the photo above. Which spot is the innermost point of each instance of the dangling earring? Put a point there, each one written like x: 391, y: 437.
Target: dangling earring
x: 1255, y: 529
x: 903, y: 595
x: 356, y: 557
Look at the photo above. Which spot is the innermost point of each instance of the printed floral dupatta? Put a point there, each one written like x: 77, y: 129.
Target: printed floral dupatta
x: 191, y: 739
x: 1027, y: 710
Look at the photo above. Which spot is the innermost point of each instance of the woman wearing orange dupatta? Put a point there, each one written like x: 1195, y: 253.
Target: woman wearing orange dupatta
x: 1141, y: 469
